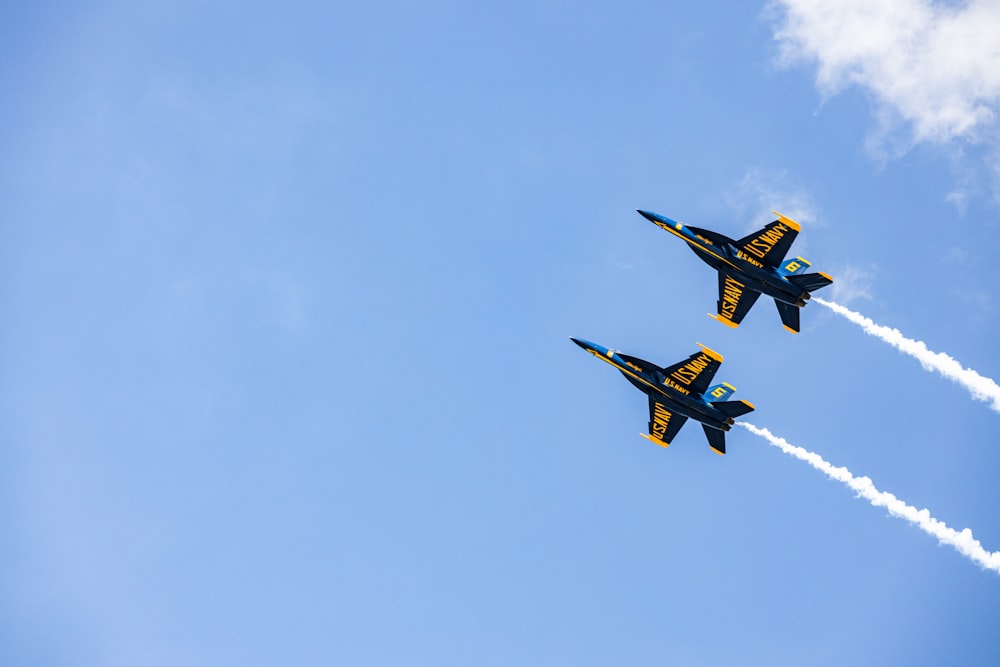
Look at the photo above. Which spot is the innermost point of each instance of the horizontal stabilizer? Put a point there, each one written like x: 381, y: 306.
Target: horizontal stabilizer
x: 716, y: 439
x: 789, y: 315
x: 720, y: 392
x: 733, y: 408
x: 810, y: 282
x: 793, y: 266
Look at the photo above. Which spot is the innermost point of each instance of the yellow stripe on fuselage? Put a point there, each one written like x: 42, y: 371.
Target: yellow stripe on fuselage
x: 698, y: 245
x: 667, y: 382
x: 625, y: 370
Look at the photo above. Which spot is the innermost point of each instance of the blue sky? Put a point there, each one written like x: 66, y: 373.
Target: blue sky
x: 285, y: 374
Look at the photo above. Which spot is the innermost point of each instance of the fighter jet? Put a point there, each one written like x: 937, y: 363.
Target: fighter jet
x: 679, y: 392
x: 752, y: 266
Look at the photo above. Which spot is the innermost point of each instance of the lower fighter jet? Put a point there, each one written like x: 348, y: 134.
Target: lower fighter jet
x: 752, y: 266
x: 679, y: 392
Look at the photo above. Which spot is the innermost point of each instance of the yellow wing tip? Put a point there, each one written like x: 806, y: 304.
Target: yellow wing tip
x: 749, y: 405
x: 728, y: 323
x: 717, y: 451
x: 788, y: 328
x: 827, y: 276
x: 655, y: 440
x: 710, y: 352
x: 788, y: 221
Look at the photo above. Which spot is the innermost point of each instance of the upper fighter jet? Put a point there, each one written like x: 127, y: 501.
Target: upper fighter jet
x: 678, y: 392
x: 752, y: 266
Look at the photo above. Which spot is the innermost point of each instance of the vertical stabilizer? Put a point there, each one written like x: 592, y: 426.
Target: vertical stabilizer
x: 794, y: 266
x: 719, y: 392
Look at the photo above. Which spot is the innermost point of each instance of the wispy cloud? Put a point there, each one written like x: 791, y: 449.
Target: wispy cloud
x: 963, y: 540
x: 853, y: 283
x: 982, y: 388
x: 931, y: 69
x: 936, y: 65
x: 761, y: 191
x: 282, y: 299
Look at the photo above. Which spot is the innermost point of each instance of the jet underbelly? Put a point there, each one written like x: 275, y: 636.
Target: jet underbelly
x: 696, y: 409
x: 772, y: 286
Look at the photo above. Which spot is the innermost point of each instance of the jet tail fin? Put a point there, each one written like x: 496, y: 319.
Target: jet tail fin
x: 793, y: 266
x: 810, y: 282
x: 716, y: 439
x: 720, y: 392
x: 733, y: 408
x: 789, y: 315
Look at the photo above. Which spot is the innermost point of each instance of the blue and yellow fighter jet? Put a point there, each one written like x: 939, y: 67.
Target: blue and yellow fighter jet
x: 752, y: 266
x: 679, y: 392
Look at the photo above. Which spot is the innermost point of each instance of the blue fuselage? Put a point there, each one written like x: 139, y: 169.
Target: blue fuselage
x: 651, y: 380
x: 722, y: 254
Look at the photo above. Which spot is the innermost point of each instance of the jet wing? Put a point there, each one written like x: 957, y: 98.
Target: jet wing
x: 770, y: 245
x: 663, y: 423
x: 735, y: 300
x: 695, y: 373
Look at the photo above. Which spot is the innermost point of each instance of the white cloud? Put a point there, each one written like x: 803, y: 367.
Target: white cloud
x: 762, y: 191
x: 933, y: 68
x: 852, y: 283
x: 960, y: 198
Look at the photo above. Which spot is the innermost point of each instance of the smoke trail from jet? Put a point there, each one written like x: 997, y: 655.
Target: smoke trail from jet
x: 963, y: 541
x: 981, y: 388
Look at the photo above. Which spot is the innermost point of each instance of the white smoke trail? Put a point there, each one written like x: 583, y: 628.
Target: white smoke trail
x: 962, y: 540
x: 981, y: 388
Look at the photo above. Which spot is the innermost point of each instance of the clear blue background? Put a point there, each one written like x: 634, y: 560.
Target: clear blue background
x: 285, y: 375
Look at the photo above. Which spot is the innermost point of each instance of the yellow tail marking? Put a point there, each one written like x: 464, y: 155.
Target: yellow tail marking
x: 788, y: 328
x: 717, y: 451
x: 825, y: 276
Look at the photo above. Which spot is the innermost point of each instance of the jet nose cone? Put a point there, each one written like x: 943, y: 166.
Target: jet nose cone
x: 593, y: 348
x: 646, y: 214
